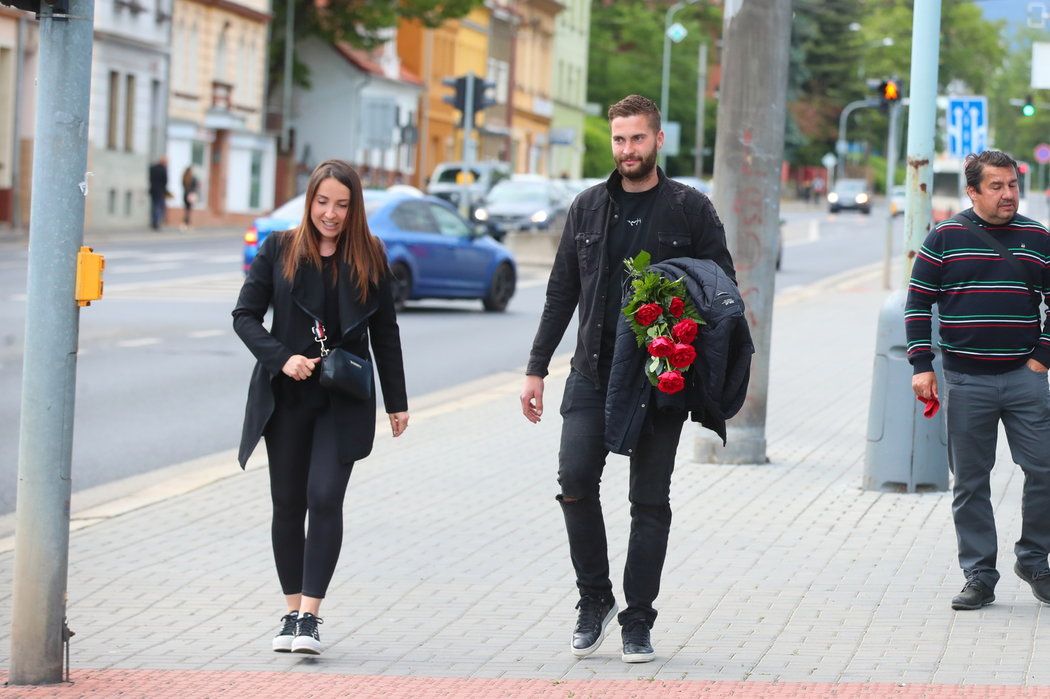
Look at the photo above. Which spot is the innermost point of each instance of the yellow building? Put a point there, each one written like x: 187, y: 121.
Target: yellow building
x: 533, y: 102
x: 215, y: 111
x: 455, y: 48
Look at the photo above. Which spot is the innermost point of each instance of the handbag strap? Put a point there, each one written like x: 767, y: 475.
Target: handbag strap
x: 320, y: 337
x: 1003, y: 252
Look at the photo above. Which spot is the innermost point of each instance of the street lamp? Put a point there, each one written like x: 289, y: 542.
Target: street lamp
x: 665, y: 78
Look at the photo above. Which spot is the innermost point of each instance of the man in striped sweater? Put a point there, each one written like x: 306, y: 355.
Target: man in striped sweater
x: 995, y: 368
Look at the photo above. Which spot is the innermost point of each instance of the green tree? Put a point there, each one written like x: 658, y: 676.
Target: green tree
x: 597, y: 154
x: 359, y: 22
x: 1010, y: 131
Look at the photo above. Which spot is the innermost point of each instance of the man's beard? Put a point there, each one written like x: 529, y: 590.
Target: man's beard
x: 645, y: 167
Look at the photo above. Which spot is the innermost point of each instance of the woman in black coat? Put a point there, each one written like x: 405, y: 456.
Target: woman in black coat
x: 329, y: 274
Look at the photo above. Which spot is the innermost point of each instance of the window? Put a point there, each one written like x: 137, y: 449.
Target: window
x: 111, y: 202
x: 449, y: 223
x: 127, y: 203
x: 112, y: 124
x: 129, y: 113
x: 413, y: 216
x: 255, y: 188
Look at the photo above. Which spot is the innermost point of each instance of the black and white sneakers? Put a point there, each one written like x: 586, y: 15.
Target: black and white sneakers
x: 307, y: 640
x: 282, y: 642
x: 595, y: 615
x: 636, y: 645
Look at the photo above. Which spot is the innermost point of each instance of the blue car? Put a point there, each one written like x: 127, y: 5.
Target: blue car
x: 433, y: 252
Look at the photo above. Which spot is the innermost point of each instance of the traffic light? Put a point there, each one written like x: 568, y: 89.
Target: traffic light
x: 482, y: 99
x: 459, y: 87
x: 61, y: 7
x: 889, y: 91
x: 1028, y: 108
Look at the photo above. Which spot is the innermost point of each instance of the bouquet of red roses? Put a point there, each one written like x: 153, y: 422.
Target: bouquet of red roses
x: 664, y: 321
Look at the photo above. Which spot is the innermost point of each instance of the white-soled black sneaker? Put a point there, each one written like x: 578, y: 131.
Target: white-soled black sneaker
x: 282, y: 642
x: 307, y: 640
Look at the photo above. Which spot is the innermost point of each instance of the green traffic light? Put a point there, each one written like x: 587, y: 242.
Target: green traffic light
x: 1028, y: 110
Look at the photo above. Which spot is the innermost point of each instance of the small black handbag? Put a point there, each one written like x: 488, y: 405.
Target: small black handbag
x: 341, y: 371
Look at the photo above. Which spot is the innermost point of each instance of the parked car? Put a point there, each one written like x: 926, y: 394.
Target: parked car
x: 850, y: 194
x: 524, y: 202
x: 898, y: 193
x: 451, y: 179
x: 433, y: 252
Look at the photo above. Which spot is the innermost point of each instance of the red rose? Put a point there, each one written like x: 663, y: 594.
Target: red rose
x: 661, y: 347
x: 670, y: 382
x: 685, y: 330
x: 677, y: 307
x: 683, y: 355
x: 648, y: 313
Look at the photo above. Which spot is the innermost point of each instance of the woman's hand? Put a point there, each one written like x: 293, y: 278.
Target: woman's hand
x: 299, y: 367
x: 398, y: 423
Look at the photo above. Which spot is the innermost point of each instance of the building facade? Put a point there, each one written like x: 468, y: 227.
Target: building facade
x: 362, y: 108
x: 215, y: 114
x: 571, y: 39
x: 13, y: 31
x: 532, y: 109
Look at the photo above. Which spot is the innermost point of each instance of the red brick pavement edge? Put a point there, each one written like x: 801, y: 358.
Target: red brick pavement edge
x: 183, y: 684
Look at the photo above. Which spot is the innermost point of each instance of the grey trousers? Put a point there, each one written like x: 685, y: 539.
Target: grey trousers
x: 974, y: 404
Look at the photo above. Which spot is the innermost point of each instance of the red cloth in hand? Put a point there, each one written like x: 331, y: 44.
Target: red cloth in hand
x: 932, y: 406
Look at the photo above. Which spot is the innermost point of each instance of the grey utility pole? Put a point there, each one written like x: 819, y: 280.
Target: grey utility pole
x: 841, y: 145
x: 701, y: 102
x: 45, y: 445
x: 892, y: 146
x: 906, y: 451
x: 665, y: 73
x: 751, y: 111
x: 289, y: 67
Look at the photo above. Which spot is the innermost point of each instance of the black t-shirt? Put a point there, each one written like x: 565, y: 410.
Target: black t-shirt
x: 626, y: 237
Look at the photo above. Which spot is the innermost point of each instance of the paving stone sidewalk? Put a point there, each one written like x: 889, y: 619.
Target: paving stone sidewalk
x: 455, y: 564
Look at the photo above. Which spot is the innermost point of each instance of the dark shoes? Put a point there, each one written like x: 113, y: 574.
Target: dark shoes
x: 1040, y: 582
x: 595, y: 615
x: 636, y: 645
x: 307, y: 640
x: 975, y: 594
x: 282, y: 642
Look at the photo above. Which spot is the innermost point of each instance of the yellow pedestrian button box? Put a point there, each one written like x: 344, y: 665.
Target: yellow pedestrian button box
x: 89, y: 276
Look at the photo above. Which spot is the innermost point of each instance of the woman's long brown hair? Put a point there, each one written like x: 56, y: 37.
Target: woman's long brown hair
x: 356, y: 246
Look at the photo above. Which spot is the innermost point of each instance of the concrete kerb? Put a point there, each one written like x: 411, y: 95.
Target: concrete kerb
x: 103, y: 502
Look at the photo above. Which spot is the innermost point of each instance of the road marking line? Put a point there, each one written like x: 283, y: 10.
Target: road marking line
x: 139, y: 342
x: 199, y: 334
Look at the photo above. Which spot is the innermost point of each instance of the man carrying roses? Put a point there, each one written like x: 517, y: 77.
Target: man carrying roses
x: 637, y: 208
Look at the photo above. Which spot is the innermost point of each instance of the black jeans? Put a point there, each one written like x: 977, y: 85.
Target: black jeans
x: 581, y: 461
x: 305, y: 478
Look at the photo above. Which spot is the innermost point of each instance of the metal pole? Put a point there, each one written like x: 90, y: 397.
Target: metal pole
x: 289, y: 66
x: 891, y: 170
x: 56, y: 230
x: 16, y: 150
x: 840, y: 144
x: 922, y: 117
x: 466, y: 205
x: 701, y: 101
x: 751, y: 110
x: 665, y: 74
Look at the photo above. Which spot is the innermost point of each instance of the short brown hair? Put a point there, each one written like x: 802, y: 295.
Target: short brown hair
x: 634, y: 105
x: 974, y: 165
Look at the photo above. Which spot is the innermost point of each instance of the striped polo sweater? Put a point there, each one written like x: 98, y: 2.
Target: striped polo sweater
x: 989, y: 322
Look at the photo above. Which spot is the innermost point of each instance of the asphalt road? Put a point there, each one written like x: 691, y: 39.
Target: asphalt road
x: 161, y: 378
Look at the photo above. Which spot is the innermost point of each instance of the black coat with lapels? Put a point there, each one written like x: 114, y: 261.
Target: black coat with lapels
x: 295, y: 307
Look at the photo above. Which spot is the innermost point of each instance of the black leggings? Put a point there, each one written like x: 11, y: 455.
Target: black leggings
x: 305, y: 477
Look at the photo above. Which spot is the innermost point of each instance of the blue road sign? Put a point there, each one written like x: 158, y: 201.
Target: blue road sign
x: 967, y: 125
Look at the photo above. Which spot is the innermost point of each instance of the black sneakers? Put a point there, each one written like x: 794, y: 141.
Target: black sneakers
x: 1040, y: 582
x: 282, y: 642
x: 595, y: 615
x: 307, y: 640
x: 636, y: 645
x: 974, y: 595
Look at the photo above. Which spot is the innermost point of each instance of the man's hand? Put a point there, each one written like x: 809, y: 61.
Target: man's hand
x: 532, y: 398
x: 925, y: 385
x: 1037, y: 367
x: 299, y: 367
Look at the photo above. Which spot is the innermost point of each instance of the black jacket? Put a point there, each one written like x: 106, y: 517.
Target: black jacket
x: 683, y: 222
x: 295, y: 307
x: 158, y: 180
x: 716, y: 384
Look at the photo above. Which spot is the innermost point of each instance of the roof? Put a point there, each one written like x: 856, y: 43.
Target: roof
x: 366, y: 62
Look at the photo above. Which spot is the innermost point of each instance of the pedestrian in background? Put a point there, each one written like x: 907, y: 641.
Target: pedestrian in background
x: 158, y: 192
x: 995, y: 367
x: 332, y: 272
x: 637, y: 208
x: 190, y: 192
